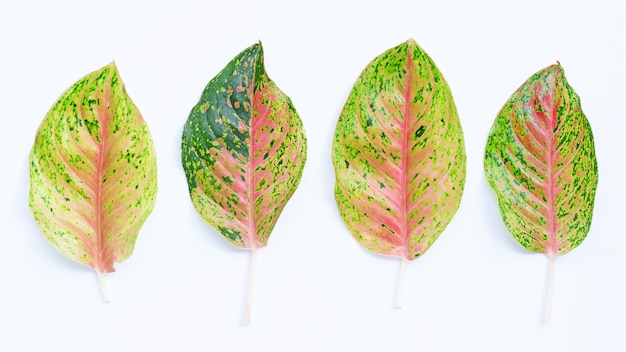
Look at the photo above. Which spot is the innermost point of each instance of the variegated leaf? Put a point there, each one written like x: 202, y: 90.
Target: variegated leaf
x: 540, y: 160
x: 243, y: 151
x: 398, y: 154
x: 93, y: 172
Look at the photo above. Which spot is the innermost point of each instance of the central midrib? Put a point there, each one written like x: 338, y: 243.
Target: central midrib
x: 250, y: 173
x: 404, y: 218
x: 552, y: 250
x: 100, y: 182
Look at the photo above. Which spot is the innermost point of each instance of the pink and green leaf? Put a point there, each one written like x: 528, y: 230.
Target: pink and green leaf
x: 243, y: 151
x: 399, y: 154
x: 93, y: 178
x: 540, y: 160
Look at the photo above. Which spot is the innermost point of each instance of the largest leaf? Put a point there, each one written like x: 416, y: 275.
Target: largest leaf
x: 399, y: 155
x: 93, y: 172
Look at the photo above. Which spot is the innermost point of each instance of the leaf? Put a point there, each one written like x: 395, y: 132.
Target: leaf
x: 243, y: 151
x: 398, y: 154
x: 93, y: 172
x: 540, y: 160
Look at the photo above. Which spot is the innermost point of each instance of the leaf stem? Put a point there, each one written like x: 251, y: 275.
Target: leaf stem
x: 400, y: 284
x: 246, y: 318
x: 550, y: 289
x: 103, y: 287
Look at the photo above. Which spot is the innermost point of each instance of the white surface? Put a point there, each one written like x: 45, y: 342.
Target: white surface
x: 316, y: 290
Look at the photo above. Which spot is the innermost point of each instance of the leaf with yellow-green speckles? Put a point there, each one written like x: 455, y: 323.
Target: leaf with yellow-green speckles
x: 399, y: 154
x: 93, y: 178
x: 243, y: 151
x: 540, y: 160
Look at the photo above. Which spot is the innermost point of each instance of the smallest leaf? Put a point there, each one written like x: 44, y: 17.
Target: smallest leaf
x: 540, y: 160
x: 93, y: 179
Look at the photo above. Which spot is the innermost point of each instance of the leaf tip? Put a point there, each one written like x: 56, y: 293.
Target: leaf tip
x: 256, y: 46
x: 557, y: 66
x: 112, y: 65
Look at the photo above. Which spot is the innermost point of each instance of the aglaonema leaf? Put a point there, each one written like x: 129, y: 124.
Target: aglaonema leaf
x: 540, y: 160
x: 399, y: 154
x: 243, y: 152
x: 93, y: 172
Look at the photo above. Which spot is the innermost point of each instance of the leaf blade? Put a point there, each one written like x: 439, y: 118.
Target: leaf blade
x: 93, y: 172
x: 398, y: 139
x: 243, y: 151
x: 540, y: 160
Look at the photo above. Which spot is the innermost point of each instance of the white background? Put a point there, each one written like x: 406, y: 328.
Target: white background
x: 184, y: 287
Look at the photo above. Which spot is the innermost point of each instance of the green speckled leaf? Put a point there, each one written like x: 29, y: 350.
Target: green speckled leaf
x: 540, y: 160
x: 93, y: 172
x: 243, y: 151
x: 399, y: 154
